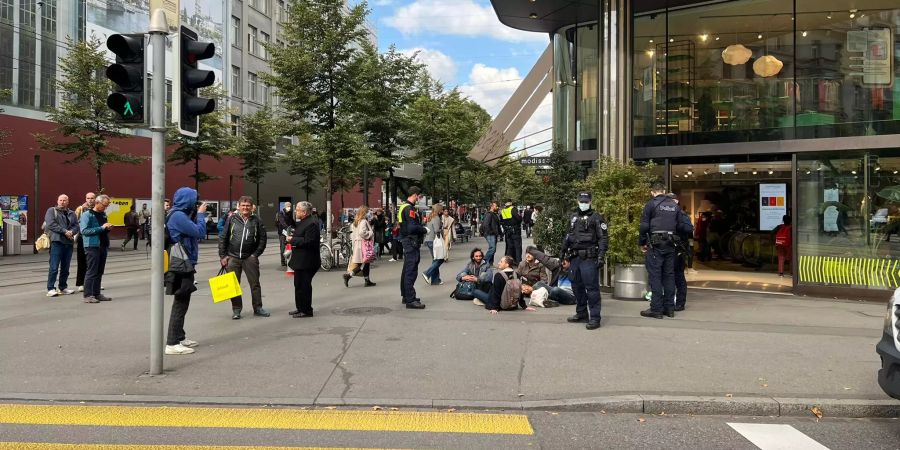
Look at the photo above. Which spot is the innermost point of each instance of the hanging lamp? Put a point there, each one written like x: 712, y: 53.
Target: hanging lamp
x: 736, y: 54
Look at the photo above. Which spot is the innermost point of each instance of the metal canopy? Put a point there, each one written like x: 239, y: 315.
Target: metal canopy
x: 555, y: 14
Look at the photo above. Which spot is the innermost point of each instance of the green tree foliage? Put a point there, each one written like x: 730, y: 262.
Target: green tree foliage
x: 305, y: 163
x: 559, y: 199
x: 86, y: 124
x: 620, y: 190
x: 256, y: 146
x: 214, y: 139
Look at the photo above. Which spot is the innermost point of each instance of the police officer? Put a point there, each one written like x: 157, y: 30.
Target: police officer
x: 586, y: 244
x: 511, y: 221
x: 660, y: 224
x: 685, y: 253
x: 411, y: 235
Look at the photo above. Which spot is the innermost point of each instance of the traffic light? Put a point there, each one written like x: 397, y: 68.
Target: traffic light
x: 130, y: 95
x: 191, y: 79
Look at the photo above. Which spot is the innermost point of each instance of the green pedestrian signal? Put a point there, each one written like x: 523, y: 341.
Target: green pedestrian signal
x: 128, y: 111
x: 130, y: 93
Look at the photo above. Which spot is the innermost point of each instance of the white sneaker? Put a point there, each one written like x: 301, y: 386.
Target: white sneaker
x: 391, y: 260
x: 67, y: 291
x: 189, y: 343
x: 80, y: 288
x: 52, y: 293
x: 178, y: 349
x: 478, y: 302
x: 427, y: 279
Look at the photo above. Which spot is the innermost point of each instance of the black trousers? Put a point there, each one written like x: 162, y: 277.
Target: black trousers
x: 514, y: 245
x: 411, y: 257
x: 176, y: 319
x: 282, y: 243
x: 81, y: 258
x: 396, y: 249
x: 132, y: 233
x: 96, y: 265
x: 303, y: 289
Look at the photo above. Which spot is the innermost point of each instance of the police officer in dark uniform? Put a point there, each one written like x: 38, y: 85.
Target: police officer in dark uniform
x: 511, y: 221
x: 586, y: 245
x: 685, y: 253
x: 660, y: 224
x: 410, y: 235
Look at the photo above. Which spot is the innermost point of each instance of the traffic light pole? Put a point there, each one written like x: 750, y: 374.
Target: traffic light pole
x: 158, y: 31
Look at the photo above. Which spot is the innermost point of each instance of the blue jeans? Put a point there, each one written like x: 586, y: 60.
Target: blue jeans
x: 60, y: 259
x: 481, y: 295
x: 434, y: 272
x: 492, y: 248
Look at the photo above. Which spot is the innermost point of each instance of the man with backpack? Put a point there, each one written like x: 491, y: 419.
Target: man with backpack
x: 783, y: 238
x: 507, y: 291
x: 242, y: 242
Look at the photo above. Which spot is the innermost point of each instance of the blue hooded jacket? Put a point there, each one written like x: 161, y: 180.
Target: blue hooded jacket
x: 181, y: 227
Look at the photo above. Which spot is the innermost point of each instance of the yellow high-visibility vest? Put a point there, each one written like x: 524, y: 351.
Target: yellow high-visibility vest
x: 400, y: 212
x: 506, y: 213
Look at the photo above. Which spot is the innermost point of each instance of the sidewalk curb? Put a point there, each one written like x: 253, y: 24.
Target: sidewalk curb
x: 637, y: 404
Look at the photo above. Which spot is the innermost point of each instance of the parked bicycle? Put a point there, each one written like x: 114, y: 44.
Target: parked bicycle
x: 338, y: 252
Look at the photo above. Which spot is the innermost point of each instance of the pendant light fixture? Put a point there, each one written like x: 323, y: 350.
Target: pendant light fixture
x: 736, y: 54
x: 767, y: 66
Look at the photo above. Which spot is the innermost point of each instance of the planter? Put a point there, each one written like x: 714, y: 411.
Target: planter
x: 630, y: 282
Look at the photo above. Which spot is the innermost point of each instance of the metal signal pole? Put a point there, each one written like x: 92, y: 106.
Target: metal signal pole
x: 159, y: 28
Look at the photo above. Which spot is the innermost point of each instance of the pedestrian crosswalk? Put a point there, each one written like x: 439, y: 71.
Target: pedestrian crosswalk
x: 776, y: 437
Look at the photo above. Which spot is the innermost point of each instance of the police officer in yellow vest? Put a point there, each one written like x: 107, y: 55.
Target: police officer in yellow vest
x: 411, y: 234
x: 511, y: 221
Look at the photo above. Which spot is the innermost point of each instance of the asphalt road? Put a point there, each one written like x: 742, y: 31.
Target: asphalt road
x: 255, y: 428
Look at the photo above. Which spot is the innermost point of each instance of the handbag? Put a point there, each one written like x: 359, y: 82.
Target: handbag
x: 437, y: 248
x: 464, y: 290
x: 368, y: 251
x: 42, y: 242
x: 179, y: 261
x: 224, y: 286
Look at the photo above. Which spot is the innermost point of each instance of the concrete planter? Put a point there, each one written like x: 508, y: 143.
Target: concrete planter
x: 630, y: 282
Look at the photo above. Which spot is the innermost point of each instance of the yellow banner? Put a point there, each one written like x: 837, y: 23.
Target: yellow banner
x: 115, y: 213
x: 867, y: 272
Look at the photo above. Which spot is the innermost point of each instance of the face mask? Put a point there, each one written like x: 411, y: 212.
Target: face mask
x: 584, y: 206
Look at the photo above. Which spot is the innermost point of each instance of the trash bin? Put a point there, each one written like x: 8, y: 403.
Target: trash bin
x: 12, y: 230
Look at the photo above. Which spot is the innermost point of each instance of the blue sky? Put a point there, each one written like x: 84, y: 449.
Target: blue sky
x: 464, y: 44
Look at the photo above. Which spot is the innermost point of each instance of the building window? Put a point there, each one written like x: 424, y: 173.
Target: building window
x: 6, y: 45
x: 48, y: 17
x: 27, y: 14
x: 6, y: 11
x: 235, y: 32
x: 252, y: 40
x: 235, y: 125
x: 264, y: 40
x: 265, y: 93
x: 280, y: 12
x: 252, y: 82
x: 260, y: 5
x: 235, y: 81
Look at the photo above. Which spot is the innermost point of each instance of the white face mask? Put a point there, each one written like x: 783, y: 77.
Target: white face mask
x: 584, y: 206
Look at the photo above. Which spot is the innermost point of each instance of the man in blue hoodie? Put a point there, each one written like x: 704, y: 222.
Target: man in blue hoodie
x: 186, y: 224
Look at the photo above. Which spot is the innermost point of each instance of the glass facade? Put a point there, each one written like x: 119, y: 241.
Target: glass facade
x: 764, y: 70
x: 577, y: 87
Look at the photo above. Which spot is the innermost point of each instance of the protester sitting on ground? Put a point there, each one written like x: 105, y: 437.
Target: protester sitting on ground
x: 505, y: 275
x: 560, y: 286
x: 531, y: 271
x: 477, y: 271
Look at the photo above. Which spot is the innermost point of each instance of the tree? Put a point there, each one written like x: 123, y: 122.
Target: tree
x: 213, y: 139
x: 85, y: 122
x: 304, y: 163
x: 558, y: 199
x: 256, y: 147
x: 313, y: 74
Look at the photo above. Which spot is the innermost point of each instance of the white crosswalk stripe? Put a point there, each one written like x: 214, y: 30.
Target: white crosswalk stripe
x: 776, y: 437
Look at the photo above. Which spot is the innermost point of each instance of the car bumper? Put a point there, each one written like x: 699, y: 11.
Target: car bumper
x: 889, y: 375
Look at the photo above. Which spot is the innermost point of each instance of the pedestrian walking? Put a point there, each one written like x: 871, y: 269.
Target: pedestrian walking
x: 396, y: 245
x: 490, y: 229
x: 586, y: 241
x: 131, y: 228
x: 81, y: 257
x: 448, y: 224
x: 95, y: 229
x: 434, y: 230
x: 144, y: 217
x: 362, y: 235
x: 660, y: 223
x: 410, y: 234
x: 512, y: 230
x: 284, y: 223
x: 783, y: 242
x: 61, y: 226
x: 186, y: 224
x: 305, y: 259
x: 379, y: 227
x: 241, y: 244
x: 527, y: 223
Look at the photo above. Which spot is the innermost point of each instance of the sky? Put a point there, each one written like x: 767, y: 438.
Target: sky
x: 464, y: 45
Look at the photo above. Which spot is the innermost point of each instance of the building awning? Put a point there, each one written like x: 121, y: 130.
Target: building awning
x: 551, y: 15
x: 516, y: 112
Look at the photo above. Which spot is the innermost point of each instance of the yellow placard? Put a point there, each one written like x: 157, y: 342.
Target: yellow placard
x: 115, y: 213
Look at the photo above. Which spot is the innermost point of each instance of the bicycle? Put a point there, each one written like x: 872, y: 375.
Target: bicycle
x: 336, y: 255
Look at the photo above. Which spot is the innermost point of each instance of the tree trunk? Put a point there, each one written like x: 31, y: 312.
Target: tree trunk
x: 365, y: 182
x: 197, y: 174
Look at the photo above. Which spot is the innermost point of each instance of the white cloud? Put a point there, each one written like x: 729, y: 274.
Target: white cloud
x: 440, y: 66
x: 382, y: 2
x: 491, y: 87
x: 456, y: 18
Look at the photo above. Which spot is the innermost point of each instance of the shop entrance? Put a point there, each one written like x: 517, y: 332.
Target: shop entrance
x: 736, y: 209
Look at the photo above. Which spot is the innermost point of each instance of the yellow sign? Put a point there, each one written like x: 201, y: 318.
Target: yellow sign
x: 172, y: 8
x: 115, y: 213
x: 871, y: 272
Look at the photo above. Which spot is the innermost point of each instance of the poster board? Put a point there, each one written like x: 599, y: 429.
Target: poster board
x: 115, y: 213
x: 15, y: 207
x: 772, y: 205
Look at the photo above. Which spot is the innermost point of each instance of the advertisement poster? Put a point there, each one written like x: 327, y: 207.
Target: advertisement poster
x: 115, y: 213
x: 772, y: 205
x: 15, y: 207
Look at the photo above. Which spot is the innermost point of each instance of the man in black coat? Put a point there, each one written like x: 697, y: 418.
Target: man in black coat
x: 305, y: 259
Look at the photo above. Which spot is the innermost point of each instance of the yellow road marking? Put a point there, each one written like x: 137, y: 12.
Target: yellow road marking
x: 49, y: 446
x: 286, y: 419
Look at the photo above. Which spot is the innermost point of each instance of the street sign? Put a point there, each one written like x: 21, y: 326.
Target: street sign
x: 541, y: 172
x: 535, y: 161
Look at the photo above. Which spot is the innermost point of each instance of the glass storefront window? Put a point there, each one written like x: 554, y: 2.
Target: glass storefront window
x: 763, y: 70
x: 576, y: 101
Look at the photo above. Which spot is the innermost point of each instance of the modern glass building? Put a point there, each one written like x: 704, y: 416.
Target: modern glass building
x: 752, y: 109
